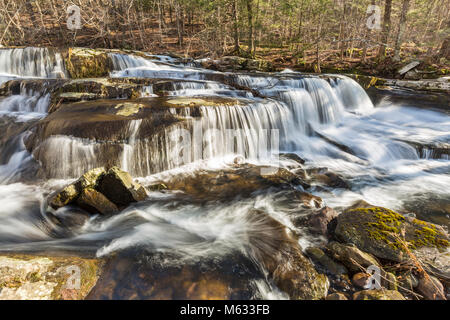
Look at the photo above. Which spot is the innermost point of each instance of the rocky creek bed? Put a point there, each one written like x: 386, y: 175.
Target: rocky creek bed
x: 97, y: 204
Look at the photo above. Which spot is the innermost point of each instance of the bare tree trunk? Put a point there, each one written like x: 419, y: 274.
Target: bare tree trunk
x: 30, y: 12
x: 179, y: 18
x: 342, y: 29
x: 445, y: 49
x: 251, y: 44
x: 235, y: 26
x: 401, y: 30
x: 386, y: 28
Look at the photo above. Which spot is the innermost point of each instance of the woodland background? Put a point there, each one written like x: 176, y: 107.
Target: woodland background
x: 312, y: 35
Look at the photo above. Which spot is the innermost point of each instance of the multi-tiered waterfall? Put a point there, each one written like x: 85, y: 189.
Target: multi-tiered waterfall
x: 387, y: 152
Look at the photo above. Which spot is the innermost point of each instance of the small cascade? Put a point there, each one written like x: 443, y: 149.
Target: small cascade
x: 147, y: 91
x: 32, y: 62
x: 352, y: 96
x: 124, y: 61
x: 205, y: 88
x: 128, y: 148
x: 138, y: 67
x: 18, y: 161
x: 27, y: 104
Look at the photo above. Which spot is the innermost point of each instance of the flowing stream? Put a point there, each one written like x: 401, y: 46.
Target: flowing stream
x: 329, y: 121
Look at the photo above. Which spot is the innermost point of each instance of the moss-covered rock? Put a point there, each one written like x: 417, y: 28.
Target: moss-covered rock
x: 387, y: 234
x: 87, y: 63
x: 31, y: 277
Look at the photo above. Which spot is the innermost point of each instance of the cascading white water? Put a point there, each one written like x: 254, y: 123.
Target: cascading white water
x: 124, y: 61
x: 26, y: 102
x: 31, y: 62
x: 330, y: 121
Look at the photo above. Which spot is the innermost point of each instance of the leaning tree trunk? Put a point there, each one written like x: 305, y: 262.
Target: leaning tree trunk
x: 386, y: 28
x: 401, y: 30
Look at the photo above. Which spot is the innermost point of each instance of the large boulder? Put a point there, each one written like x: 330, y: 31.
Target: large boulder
x: 71, y: 192
x: 118, y: 186
x: 100, y: 191
x: 387, y: 234
x: 114, y: 132
x: 29, y: 277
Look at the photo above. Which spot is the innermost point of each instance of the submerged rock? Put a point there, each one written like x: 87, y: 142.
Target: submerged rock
x: 282, y: 257
x: 271, y: 254
x: 29, y: 277
x: 387, y: 234
x: 160, y: 276
x: 381, y: 294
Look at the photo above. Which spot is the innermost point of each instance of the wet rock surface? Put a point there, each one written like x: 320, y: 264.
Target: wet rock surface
x: 387, y: 234
x: 100, y: 191
x: 33, y: 277
x: 239, y: 182
x: 378, y: 295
